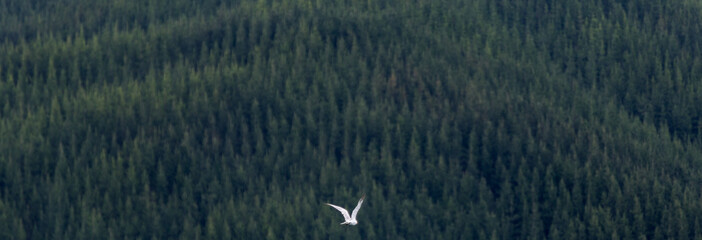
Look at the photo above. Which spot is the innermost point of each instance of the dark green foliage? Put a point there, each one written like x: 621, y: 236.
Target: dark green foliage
x: 479, y: 119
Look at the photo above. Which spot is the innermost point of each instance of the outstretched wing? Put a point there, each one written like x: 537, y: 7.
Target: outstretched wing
x: 358, y: 206
x: 343, y: 211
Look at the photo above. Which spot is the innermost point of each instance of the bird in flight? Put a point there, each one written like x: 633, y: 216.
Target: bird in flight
x: 349, y: 220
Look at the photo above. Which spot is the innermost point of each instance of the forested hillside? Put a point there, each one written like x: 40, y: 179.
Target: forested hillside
x: 477, y: 119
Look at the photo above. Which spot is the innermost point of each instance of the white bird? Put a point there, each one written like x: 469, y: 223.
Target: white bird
x: 352, y: 219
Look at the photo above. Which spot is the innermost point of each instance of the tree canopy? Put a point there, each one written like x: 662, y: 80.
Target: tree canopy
x: 479, y: 119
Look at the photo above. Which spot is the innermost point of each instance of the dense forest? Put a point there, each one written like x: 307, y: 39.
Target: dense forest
x: 477, y: 119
